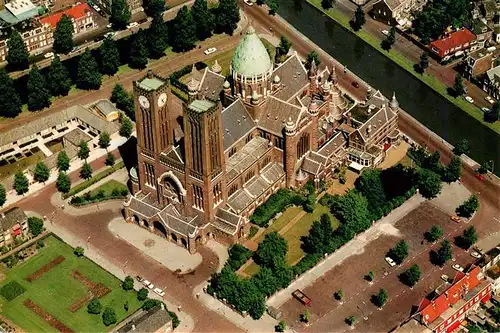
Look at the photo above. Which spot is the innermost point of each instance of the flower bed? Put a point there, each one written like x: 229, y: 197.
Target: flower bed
x: 96, y: 290
x: 11, y: 290
x: 44, y: 269
x: 47, y: 316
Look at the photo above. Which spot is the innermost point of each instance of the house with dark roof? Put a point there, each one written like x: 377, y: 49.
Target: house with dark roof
x: 491, y: 82
x: 156, y: 320
x: 13, y: 223
x: 453, y: 43
x: 394, y: 12
x: 478, y: 63
x: 243, y: 138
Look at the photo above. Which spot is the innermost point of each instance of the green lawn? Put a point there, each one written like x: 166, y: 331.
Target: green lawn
x: 402, y: 61
x: 108, y: 187
x: 56, y: 290
x: 224, y: 60
x: 280, y: 222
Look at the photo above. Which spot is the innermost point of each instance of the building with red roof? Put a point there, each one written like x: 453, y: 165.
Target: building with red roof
x: 81, y: 16
x: 453, y: 42
x: 445, y: 312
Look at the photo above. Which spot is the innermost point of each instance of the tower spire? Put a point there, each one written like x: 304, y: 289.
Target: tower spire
x: 394, y: 105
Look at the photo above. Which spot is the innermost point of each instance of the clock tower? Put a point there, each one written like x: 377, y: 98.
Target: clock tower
x: 152, y: 99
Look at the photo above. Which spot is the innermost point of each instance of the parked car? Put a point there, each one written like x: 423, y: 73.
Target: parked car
x: 210, y: 50
x: 139, y: 278
x: 458, y: 267
x: 132, y: 25
x: 49, y: 55
x: 109, y: 34
x: 109, y: 26
x: 490, y: 100
x: 485, y: 110
x: 355, y: 84
x: 445, y: 278
x: 391, y: 262
x: 148, y: 284
x: 159, y: 292
x: 456, y: 219
x: 479, y: 250
x: 248, y: 2
x: 469, y: 99
x: 480, y: 176
x: 385, y: 32
x: 475, y: 255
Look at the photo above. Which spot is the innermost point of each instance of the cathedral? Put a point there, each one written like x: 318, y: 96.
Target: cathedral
x: 204, y: 169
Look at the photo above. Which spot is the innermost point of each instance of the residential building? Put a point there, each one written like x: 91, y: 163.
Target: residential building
x: 202, y: 170
x: 34, y: 35
x: 394, y: 12
x: 156, y: 320
x: 453, y: 44
x: 491, y: 82
x: 483, y: 33
x: 489, y: 9
x: 490, y: 266
x: 133, y: 5
x: 17, y: 11
x: 13, y: 223
x: 445, y: 311
x: 477, y: 63
x: 496, y: 34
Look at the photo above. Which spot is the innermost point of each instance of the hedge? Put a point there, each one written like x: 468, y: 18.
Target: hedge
x: 174, y: 78
x: 274, y: 205
x: 103, y: 174
x: 238, y: 255
x: 79, y: 201
x: 11, y: 290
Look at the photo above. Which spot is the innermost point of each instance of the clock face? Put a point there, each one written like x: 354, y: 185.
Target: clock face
x: 144, y: 102
x: 162, y: 100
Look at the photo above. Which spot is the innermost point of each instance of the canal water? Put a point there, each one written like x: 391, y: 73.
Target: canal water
x: 422, y: 102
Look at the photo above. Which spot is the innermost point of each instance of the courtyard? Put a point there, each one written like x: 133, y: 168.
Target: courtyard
x: 57, y: 287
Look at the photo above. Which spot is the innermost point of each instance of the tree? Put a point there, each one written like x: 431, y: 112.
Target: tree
x: 110, y: 159
x: 120, y: 14
x: 281, y: 327
x: 424, y: 61
x: 351, y: 210
x: 88, y: 76
x: 142, y: 294
x: 183, y: 32
x: 138, y: 51
x: 21, y: 183
x: 41, y: 173
x: 63, y: 183
x: 104, y: 140
x: 412, y: 275
x: 157, y: 38
x: 272, y: 251
x: 350, y: 320
x: 359, y: 19
x: 369, y: 184
x: 493, y: 115
x: 468, y: 207
x: 58, y: 80
x: 469, y: 237
x: 313, y: 55
x: 109, y: 56
x: 327, y: 4
x: 94, y: 306
x: 126, y: 127
x: 462, y: 147
x: 453, y: 170
x: 444, y: 253
x: 339, y: 295
x: 86, y: 171
x: 154, y: 8
x: 128, y: 283
x: 228, y: 16
x: 305, y: 317
x: 284, y: 46
x: 434, y: 233
x: 273, y: 7
x: 79, y: 251
x: 3, y: 195
x: 124, y: 101
x: 381, y: 298
x: 458, y: 85
x: 370, y: 276
x: 62, y: 161
x: 389, y: 41
x: 319, y: 238
x: 63, y: 35
x: 399, y: 252
x: 38, y: 94
x: 17, y: 54
x: 35, y: 225
x: 10, y: 104
x: 149, y: 304
x: 109, y: 316
x: 203, y: 18
x: 83, y: 151
x: 429, y: 183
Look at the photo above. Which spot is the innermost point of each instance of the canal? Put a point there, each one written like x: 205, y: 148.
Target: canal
x: 422, y: 102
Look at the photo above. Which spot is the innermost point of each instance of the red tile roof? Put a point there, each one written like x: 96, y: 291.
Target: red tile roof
x: 457, y: 38
x: 75, y: 12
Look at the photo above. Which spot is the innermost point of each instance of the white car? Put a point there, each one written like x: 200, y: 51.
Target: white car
x: 485, y: 110
x: 132, y: 25
x: 469, y: 99
x: 385, y: 32
x: 210, y: 50
x: 490, y: 100
x: 159, y: 292
x: 49, y: 55
x: 445, y: 278
x: 148, y: 284
x: 109, y: 26
x: 457, y: 267
x: 109, y: 34
x: 248, y: 2
x: 475, y: 255
x: 391, y: 262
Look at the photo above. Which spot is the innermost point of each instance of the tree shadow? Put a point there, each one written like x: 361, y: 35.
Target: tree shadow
x: 434, y: 258
x: 461, y: 242
x: 452, y: 92
x: 417, y: 68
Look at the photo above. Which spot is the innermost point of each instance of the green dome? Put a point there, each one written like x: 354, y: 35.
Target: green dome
x: 251, y: 57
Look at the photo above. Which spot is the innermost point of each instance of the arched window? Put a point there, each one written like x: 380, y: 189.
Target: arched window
x: 303, y: 145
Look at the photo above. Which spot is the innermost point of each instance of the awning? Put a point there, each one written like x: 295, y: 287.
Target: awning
x: 16, y: 226
x: 356, y: 166
x: 17, y: 232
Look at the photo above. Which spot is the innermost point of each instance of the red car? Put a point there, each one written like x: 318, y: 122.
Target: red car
x: 355, y: 84
x: 479, y: 176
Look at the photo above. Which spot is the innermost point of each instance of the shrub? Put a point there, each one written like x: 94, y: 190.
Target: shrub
x: 79, y: 251
x: 142, y: 294
x: 275, y: 204
x: 253, y: 231
x: 94, y: 306
x: 306, y: 263
x: 40, y: 244
x: 175, y: 319
x: 175, y: 76
x: 149, y: 304
x: 35, y: 225
x: 109, y: 316
x: 128, y: 283
x: 11, y: 290
x: 238, y: 255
